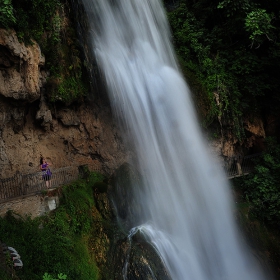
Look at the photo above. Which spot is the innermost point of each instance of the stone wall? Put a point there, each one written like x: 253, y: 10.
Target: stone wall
x: 34, y: 206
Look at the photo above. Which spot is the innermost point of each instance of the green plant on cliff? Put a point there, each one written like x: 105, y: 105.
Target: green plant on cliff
x: 4, y: 275
x: 34, y: 18
x: 257, y: 201
x: 193, y: 45
x: 49, y: 24
x: 231, y: 48
x: 60, y: 276
x: 258, y: 24
x: 7, y: 17
x: 58, y: 242
x: 67, y: 82
x: 261, y: 188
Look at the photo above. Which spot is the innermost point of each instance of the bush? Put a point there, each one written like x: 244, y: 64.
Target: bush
x: 7, y: 18
x: 56, y: 243
x: 262, y: 188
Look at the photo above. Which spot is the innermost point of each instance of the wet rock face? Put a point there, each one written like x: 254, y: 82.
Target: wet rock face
x: 124, y: 183
x: 253, y: 142
x: 124, y: 255
x: 136, y: 259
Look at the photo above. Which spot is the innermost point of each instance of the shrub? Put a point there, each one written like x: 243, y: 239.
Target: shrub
x: 7, y: 18
x: 262, y: 188
x: 58, y: 242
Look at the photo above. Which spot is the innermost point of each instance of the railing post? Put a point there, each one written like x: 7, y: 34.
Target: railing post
x: 238, y: 165
x: 19, y: 184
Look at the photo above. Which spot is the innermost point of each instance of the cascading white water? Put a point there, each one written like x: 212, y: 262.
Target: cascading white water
x: 187, y: 206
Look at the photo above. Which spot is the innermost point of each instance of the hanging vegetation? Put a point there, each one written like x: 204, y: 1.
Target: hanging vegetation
x: 47, y: 22
x: 232, y: 49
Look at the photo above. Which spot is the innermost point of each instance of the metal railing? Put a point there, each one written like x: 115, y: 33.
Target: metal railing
x: 27, y: 184
x: 240, y: 166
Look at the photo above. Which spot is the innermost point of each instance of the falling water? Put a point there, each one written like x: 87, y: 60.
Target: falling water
x: 187, y: 205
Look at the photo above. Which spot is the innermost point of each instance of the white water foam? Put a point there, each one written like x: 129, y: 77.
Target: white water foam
x: 187, y: 203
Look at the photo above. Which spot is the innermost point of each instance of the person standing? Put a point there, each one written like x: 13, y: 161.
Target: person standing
x: 46, y: 172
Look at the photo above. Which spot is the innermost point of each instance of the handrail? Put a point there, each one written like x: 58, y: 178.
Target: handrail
x: 27, y: 184
x: 21, y: 185
x: 239, y: 166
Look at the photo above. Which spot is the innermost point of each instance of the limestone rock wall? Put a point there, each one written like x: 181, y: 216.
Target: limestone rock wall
x: 21, y: 75
x: 33, y: 206
x: 30, y: 127
x: 73, y: 135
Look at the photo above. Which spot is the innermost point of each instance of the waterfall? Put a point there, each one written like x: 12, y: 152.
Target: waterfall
x: 187, y: 208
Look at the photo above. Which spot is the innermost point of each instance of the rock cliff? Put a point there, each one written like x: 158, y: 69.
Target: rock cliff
x: 78, y: 134
x: 29, y: 127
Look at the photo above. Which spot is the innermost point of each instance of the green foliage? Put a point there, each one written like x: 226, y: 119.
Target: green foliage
x: 46, y: 23
x: 58, y: 242
x: 220, y: 87
x: 68, y: 89
x: 79, y: 204
x: 4, y: 274
x: 60, y: 276
x: 258, y: 23
x: 262, y: 188
x: 7, y: 18
x: 262, y: 238
x: 34, y: 17
x: 67, y: 82
x: 212, y: 42
x: 234, y: 6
